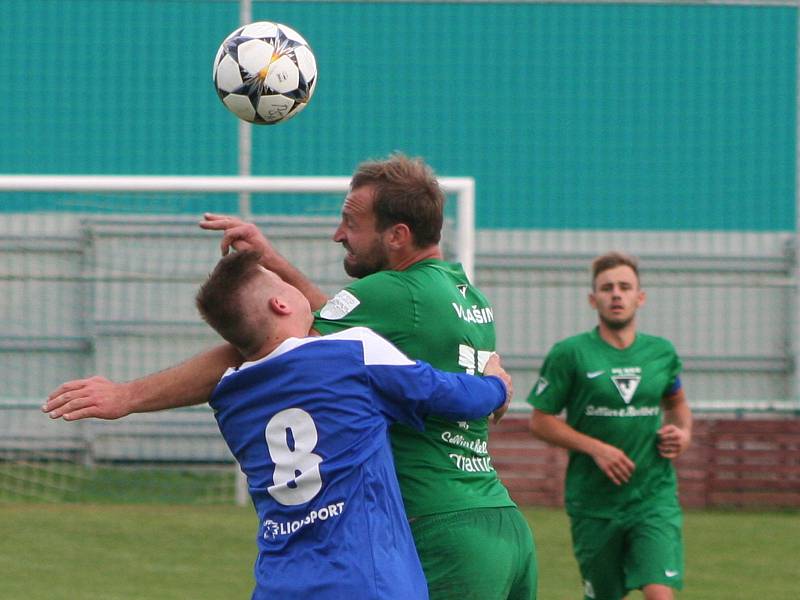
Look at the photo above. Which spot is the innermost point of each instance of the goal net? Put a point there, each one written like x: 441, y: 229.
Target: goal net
x: 98, y: 276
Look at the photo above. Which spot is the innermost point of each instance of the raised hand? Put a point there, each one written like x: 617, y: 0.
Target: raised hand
x: 238, y: 234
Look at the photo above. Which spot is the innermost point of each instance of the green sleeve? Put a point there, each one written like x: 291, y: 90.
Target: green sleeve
x: 380, y: 301
x: 552, y: 390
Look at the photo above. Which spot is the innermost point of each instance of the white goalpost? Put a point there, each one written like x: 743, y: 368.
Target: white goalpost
x: 95, y: 292
x: 462, y: 187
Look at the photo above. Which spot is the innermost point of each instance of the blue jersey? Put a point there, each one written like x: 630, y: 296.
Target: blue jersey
x: 308, y: 425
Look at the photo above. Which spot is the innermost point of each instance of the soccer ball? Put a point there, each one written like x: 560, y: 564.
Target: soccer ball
x: 265, y: 73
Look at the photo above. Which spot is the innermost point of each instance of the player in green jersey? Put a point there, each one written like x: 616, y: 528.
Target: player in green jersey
x: 473, y: 541
x: 626, y: 420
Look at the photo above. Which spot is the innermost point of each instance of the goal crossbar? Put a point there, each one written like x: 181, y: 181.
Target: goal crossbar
x: 462, y: 187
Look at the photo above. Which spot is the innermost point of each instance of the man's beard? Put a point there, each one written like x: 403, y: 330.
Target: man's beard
x: 360, y: 268
x: 617, y: 324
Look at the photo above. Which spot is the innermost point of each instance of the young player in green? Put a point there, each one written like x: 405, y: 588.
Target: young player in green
x: 626, y: 420
x: 472, y: 540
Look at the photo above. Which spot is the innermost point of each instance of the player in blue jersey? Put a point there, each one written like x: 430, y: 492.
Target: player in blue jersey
x: 471, y: 537
x: 307, y: 419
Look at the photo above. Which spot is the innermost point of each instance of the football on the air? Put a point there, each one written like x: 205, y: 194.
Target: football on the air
x: 265, y: 72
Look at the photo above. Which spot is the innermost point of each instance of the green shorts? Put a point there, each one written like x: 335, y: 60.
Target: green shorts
x: 478, y: 554
x: 618, y: 555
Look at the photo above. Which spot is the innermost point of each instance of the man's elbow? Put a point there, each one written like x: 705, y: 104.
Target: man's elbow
x: 535, y: 425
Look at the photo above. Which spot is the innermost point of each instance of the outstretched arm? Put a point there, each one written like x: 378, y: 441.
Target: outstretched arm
x: 610, y: 459
x: 188, y: 383
x: 240, y: 235
x: 675, y: 435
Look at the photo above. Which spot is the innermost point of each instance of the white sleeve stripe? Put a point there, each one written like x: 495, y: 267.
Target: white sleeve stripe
x: 377, y: 351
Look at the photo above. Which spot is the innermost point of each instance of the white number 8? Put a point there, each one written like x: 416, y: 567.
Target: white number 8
x: 296, y: 479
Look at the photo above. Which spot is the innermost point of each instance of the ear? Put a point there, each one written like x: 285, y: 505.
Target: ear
x: 642, y: 298
x: 279, y: 306
x: 592, y: 300
x: 398, y: 236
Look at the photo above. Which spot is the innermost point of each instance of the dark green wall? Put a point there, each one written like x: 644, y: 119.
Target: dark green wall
x: 568, y: 116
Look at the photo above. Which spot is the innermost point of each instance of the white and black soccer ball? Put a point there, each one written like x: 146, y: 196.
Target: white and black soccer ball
x: 265, y: 72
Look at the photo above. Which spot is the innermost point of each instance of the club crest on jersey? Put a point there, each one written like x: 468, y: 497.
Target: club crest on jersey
x: 339, y: 306
x: 462, y: 288
x: 541, y: 385
x: 626, y: 381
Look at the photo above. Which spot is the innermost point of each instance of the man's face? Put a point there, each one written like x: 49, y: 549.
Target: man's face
x: 366, y: 253
x: 616, y: 296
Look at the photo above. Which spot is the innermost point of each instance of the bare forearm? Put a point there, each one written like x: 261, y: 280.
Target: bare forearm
x: 553, y: 430
x: 677, y: 413
x: 292, y: 275
x: 675, y: 435
x: 188, y: 383
x: 611, y: 460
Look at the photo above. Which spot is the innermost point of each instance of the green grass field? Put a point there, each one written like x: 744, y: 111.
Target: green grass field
x: 163, y: 552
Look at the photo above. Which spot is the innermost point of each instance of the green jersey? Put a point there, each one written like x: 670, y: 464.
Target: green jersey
x: 615, y: 396
x: 432, y: 313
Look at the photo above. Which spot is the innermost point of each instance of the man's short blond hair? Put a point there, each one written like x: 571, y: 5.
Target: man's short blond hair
x: 611, y: 260
x: 406, y: 191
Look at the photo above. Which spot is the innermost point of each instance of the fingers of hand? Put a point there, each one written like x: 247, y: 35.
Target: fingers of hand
x: 625, y: 468
x: 216, y: 222
x: 63, y: 394
x: 230, y: 239
x: 85, y: 413
x: 212, y: 225
x: 67, y: 387
x: 241, y: 238
x: 621, y: 475
x: 614, y: 476
x: 66, y: 403
x: 671, y: 440
x: 668, y: 441
x: 500, y: 412
x: 669, y: 449
x: 667, y: 432
x: 55, y: 399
